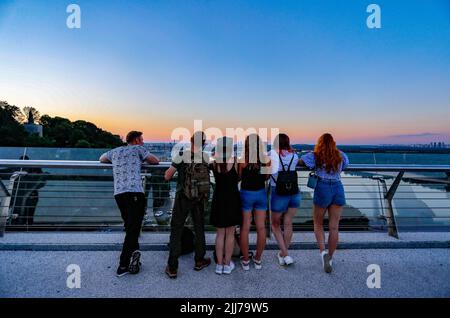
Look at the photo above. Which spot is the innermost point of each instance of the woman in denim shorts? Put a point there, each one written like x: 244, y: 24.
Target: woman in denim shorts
x: 283, y: 207
x: 328, y: 163
x: 253, y: 197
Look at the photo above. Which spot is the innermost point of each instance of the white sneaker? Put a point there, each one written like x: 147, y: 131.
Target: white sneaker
x: 219, y: 269
x: 245, y: 265
x: 258, y: 264
x: 288, y: 260
x: 227, y: 269
x: 327, y: 262
x: 281, y: 260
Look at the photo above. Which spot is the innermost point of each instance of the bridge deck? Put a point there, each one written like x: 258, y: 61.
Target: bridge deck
x: 416, y: 272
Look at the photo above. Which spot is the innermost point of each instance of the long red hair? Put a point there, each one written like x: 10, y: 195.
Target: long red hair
x: 326, y: 153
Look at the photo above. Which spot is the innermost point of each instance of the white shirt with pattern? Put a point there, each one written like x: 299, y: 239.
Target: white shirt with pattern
x: 127, y: 162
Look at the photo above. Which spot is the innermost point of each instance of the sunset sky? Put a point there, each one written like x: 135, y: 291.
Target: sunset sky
x: 304, y: 67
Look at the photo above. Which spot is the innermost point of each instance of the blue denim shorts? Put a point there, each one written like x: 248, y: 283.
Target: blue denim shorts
x: 281, y: 203
x: 254, y: 200
x: 329, y: 192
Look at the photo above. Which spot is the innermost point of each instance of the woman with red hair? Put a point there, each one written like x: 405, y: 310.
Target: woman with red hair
x: 328, y: 162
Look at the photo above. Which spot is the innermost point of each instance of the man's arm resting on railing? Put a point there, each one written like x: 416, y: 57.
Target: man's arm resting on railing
x: 152, y: 159
x: 104, y: 158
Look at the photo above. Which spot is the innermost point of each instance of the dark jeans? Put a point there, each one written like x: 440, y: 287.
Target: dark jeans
x: 181, y: 209
x: 132, y: 209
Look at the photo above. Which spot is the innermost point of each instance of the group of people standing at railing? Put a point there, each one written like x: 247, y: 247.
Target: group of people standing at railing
x: 231, y: 206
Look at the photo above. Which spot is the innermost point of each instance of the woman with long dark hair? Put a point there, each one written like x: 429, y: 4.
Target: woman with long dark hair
x: 226, y: 205
x: 285, y: 194
x: 253, y: 197
x: 328, y: 162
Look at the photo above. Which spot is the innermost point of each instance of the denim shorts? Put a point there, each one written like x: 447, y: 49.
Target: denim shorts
x: 281, y: 203
x: 329, y: 192
x: 254, y: 200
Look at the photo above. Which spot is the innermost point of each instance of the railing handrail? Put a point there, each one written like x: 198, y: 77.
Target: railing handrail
x: 75, y: 164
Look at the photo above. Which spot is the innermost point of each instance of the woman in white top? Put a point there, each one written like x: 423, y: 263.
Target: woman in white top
x: 285, y: 194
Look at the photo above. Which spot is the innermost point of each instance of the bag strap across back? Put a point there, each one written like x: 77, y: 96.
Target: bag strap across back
x: 290, y: 163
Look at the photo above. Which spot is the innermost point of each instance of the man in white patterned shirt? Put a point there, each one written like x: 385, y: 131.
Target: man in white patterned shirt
x: 129, y: 194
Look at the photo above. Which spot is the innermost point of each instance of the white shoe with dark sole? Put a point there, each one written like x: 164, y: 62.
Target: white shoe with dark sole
x: 327, y: 262
x: 281, y: 260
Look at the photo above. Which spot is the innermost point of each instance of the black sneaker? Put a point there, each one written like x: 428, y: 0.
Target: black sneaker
x: 122, y: 270
x: 135, y: 264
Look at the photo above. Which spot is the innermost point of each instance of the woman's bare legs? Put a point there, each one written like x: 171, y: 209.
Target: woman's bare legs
x: 287, y: 222
x: 245, y: 229
x: 276, y: 229
x: 260, y: 221
x: 334, y: 215
x: 229, y: 244
x: 318, y: 215
x: 220, y: 240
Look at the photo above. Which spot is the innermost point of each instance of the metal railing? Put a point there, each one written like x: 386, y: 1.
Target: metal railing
x: 69, y: 195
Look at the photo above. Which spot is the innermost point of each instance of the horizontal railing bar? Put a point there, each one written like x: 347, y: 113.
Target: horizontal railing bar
x: 171, y: 198
x: 92, y: 223
x: 152, y: 197
x: 303, y: 186
x: 97, y: 165
x: 300, y: 208
x: 36, y: 217
x: 57, y: 177
x: 157, y: 190
x: 117, y: 216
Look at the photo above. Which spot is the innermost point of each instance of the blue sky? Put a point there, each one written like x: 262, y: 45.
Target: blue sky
x: 304, y: 67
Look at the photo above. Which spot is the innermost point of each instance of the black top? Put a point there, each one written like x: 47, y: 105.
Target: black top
x: 252, y: 179
x: 226, y: 202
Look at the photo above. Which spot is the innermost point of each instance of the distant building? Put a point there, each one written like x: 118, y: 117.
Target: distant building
x: 32, y: 128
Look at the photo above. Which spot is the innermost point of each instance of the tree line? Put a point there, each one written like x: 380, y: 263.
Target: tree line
x: 58, y: 131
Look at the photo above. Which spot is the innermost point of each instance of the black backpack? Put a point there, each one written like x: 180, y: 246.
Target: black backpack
x: 287, y: 181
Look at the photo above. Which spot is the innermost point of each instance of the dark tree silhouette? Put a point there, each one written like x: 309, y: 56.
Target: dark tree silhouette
x: 34, y: 113
x: 58, y: 131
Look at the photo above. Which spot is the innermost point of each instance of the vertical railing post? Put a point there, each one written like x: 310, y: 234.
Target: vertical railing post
x: 388, y: 197
x: 6, y: 201
x: 4, y: 212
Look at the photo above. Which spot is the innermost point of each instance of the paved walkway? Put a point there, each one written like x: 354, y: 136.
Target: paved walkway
x: 404, y: 273
x: 34, y: 265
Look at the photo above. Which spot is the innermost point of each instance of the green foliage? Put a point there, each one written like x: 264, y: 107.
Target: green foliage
x: 11, y: 131
x: 58, y: 131
x: 82, y: 144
